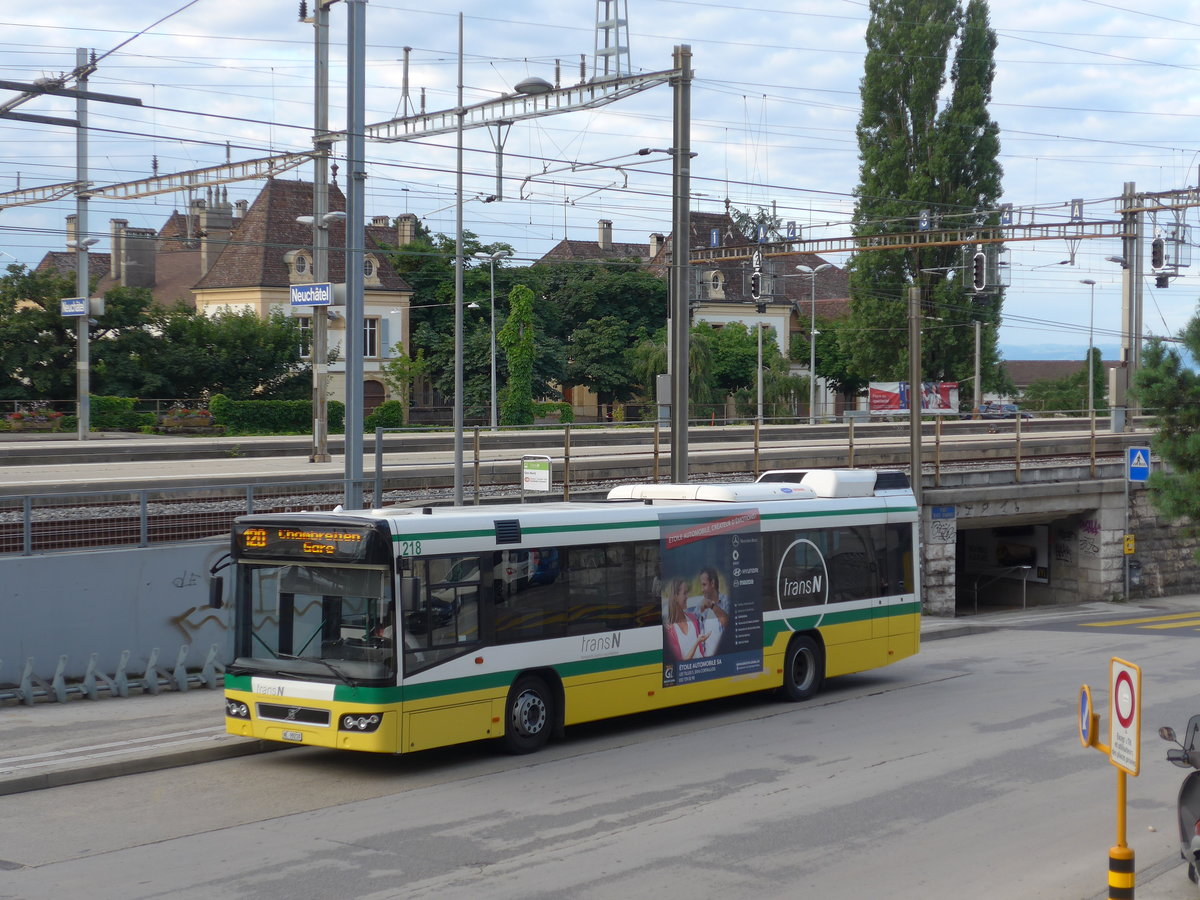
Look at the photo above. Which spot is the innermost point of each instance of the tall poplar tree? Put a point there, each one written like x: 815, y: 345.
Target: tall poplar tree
x: 916, y: 156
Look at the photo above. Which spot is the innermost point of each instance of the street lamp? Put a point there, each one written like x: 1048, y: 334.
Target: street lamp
x: 491, y: 261
x: 812, y: 339
x: 1091, y: 283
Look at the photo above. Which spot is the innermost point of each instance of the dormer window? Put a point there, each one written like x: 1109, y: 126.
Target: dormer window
x: 371, y: 270
x: 299, y: 266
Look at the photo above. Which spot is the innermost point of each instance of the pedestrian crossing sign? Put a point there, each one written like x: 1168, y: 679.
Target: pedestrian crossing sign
x: 1138, y: 463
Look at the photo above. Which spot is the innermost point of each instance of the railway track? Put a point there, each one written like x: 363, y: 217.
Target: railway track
x: 137, y: 511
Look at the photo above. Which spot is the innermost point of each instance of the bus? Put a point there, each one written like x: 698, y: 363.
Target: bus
x: 398, y: 630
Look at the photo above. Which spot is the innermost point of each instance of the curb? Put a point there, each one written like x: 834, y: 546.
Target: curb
x: 136, y: 765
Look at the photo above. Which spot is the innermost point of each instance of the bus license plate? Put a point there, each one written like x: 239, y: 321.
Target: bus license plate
x: 293, y: 736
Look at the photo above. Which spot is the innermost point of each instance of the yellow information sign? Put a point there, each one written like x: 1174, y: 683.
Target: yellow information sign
x: 1130, y: 545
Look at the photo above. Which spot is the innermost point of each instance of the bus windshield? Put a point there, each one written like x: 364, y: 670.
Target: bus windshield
x: 321, y: 622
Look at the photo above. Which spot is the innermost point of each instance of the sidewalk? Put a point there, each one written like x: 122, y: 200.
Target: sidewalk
x: 54, y: 744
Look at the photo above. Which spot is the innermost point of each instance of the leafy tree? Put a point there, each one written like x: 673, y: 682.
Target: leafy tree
x: 917, y: 157
x: 647, y: 359
x: 597, y: 359
x: 400, y: 372
x: 1171, y: 390
x: 517, y: 338
x: 37, y: 343
x: 1069, y: 393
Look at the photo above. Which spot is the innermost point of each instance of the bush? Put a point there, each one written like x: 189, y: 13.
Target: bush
x: 389, y: 414
x: 117, y: 414
x: 565, y: 410
x: 272, y: 416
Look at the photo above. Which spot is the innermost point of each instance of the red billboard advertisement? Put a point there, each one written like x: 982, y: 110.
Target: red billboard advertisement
x: 890, y: 398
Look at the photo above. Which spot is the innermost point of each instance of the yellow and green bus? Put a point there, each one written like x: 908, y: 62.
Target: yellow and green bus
x: 403, y: 629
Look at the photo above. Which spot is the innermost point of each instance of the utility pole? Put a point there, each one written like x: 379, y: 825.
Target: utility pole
x: 681, y: 168
x: 320, y: 319
x: 914, y: 391
x: 978, y: 392
x: 83, y: 409
x: 356, y: 45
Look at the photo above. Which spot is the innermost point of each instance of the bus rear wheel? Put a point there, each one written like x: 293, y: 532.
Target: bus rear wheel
x: 803, y: 669
x: 530, y: 715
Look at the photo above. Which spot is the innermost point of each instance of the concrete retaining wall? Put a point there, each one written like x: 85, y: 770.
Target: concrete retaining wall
x: 76, y: 604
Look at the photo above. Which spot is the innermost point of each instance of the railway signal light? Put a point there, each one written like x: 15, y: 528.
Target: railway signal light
x: 979, y: 272
x: 755, y: 286
x: 1158, y: 253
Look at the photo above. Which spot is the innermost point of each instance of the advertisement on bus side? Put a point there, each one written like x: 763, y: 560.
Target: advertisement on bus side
x: 711, y: 596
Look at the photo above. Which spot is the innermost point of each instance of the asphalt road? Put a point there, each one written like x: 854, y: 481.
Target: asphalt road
x: 957, y: 773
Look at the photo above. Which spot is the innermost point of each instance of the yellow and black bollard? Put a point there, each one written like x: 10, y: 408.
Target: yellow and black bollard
x: 1120, y: 873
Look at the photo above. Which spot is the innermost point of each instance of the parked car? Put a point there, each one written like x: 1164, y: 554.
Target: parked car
x: 1003, y: 411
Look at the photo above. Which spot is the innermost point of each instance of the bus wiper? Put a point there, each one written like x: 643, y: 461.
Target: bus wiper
x: 345, y: 679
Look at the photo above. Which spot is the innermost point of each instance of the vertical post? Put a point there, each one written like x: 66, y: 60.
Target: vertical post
x: 1121, y: 875
x: 977, y: 393
x: 458, y: 285
x: 567, y: 461
x: 681, y: 163
x: 914, y: 391
x: 759, y: 382
x: 320, y: 319
x: 492, y: 263
x: 1125, y: 531
x: 355, y: 235
x: 812, y: 350
x: 478, y: 483
x: 1091, y: 355
x: 83, y: 408
x: 378, y: 502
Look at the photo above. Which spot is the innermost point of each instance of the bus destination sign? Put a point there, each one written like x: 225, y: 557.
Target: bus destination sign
x: 342, y: 543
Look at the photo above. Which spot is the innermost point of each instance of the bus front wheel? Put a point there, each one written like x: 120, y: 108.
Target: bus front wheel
x: 530, y: 715
x: 803, y: 669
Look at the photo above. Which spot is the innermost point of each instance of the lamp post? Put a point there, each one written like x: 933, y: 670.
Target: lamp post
x: 1091, y: 283
x: 491, y: 261
x: 812, y: 338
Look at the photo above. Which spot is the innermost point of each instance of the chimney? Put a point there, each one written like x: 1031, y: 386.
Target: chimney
x: 656, y: 244
x: 239, y: 209
x: 380, y: 221
x: 116, y: 228
x: 72, y: 229
x: 406, y: 229
x: 215, y: 226
x: 605, y: 238
x: 139, y: 254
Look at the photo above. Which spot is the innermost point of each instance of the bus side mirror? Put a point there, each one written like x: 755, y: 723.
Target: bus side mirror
x: 216, y: 592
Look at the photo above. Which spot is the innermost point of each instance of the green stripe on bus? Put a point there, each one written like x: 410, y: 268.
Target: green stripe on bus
x: 641, y: 523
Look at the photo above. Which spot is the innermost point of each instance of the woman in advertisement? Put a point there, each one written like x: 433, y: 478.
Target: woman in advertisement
x: 682, y: 630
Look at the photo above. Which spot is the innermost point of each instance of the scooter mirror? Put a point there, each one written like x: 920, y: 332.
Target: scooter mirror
x: 1167, y: 733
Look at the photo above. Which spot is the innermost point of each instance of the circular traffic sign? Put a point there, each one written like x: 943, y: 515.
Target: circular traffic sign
x: 1124, y: 699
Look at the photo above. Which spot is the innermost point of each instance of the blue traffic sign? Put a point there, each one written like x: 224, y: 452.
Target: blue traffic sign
x: 74, y: 306
x: 1137, y: 463
x: 311, y: 294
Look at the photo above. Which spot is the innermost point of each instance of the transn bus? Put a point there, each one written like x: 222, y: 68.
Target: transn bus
x: 398, y: 630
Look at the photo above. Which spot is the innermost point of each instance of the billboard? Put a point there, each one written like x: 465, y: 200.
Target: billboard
x: 890, y: 398
x: 711, y: 596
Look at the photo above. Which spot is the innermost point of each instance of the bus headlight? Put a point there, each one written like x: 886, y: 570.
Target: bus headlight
x: 236, y: 709
x: 360, y: 723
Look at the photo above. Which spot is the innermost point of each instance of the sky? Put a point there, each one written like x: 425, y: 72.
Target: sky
x: 1088, y: 95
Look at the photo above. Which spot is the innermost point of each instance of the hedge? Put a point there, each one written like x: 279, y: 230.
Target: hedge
x: 272, y: 416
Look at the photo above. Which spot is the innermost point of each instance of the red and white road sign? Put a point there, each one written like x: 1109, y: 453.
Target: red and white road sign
x: 1125, y: 720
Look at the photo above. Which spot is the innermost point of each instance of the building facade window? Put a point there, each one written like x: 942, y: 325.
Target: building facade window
x: 305, y: 324
x: 370, y: 338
